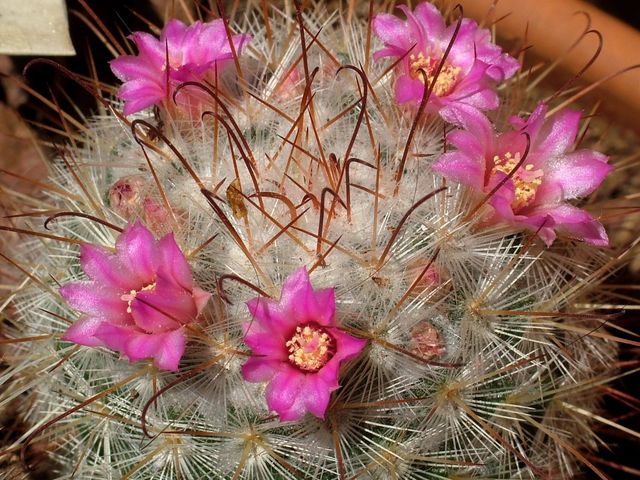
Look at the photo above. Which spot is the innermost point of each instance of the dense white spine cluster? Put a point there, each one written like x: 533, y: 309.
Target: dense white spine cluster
x: 513, y: 362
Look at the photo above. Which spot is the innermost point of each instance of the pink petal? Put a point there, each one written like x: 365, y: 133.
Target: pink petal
x: 152, y: 318
x: 325, y: 300
x: 267, y: 313
x: 300, y: 301
x: 416, y: 30
x: 138, y: 251
x: 95, y: 300
x: 430, y: 19
x: 389, y: 52
x: 550, y: 192
x: 129, y: 67
x: 268, y: 342
x: 140, y: 94
x: 578, y: 173
x: 502, y: 200
x: 316, y: 396
x: 173, y: 33
x: 143, y: 88
x: 516, y: 141
x: 284, y: 394
x: 259, y: 369
x: 115, y: 337
x: 558, y: 134
x: 166, y: 307
x: 458, y: 167
x: 295, y: 285
x: 169, y: 355
x: 547, y: 234
x: 82, y: 332
x: 482, y: 98
x: 503, y: 67
x: 533, y: 124
x: 472, y: 145
x: 190, y: 46
x: 477, y: 134
x: 174, y: 263
x: 206, y: 44
x: 391, y: 30
x: 463, y: 51
x: 201, y: 298
x: 240, y: 41
x: 474, y: 80
x: 579, y: 224
x: 408, y: 89
x: 347, y: 346
x: 150, y: 49
x: 330, y: 372
x: 105, y: 268
x: 166, y: 349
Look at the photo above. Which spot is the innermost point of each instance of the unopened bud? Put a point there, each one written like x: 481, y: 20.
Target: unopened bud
x: 156, y: 216
x: 430, y: 278
x: 127, y: 195
x: 426, y: 341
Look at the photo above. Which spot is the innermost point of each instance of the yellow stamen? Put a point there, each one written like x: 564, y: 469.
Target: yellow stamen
x: 310, y: 348
x: 131, y: 296
x: 526, y: 182
x: 446, y: 79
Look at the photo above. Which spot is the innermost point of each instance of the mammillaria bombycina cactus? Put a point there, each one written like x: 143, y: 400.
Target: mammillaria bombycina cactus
x: 371, y: 274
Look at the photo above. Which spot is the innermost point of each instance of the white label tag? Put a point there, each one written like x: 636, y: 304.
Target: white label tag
x: 34, y: 27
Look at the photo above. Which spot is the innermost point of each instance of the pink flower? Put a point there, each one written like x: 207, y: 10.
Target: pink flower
x: 297, y: 347
x: 469, y: 73
x: 183, y: 53
x: 138, y: 299
x: 552, y: 173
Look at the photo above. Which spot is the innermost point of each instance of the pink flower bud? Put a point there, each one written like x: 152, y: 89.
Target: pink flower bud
x: 156, y: 216
x: 126, y: 196
x: 430, y: 278
x: 425, y: 341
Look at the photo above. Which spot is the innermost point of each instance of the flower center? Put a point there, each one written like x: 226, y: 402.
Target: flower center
x: 131, y: 296
x: 446, y: 79
x: 175, y: 62
x: 310, y: 348
x: 526, y: 180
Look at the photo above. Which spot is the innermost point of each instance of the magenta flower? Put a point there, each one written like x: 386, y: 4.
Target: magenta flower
x: 469, y: 73
x: 297, y: 347
x: 552, y: 173
x: 183, y: 53
x: 138, y: 299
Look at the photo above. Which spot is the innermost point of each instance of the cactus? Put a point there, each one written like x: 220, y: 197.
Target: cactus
x: 480, y: 354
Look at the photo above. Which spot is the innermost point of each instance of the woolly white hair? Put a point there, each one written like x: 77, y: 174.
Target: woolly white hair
x: 517, y: 363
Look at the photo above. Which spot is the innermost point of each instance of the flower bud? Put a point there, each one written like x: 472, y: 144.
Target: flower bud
x: 425, y: 341
x: 127, y: 195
